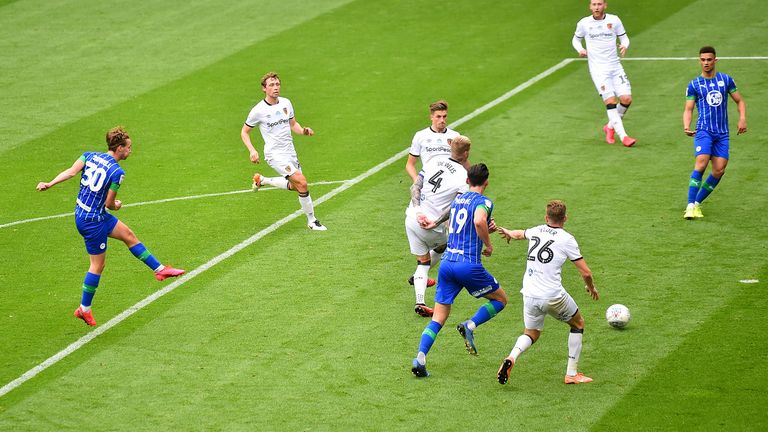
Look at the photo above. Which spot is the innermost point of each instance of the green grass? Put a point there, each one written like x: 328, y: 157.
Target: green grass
x: 315, y: 331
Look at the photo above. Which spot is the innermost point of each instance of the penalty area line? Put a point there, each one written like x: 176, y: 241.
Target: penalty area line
x: 254, y: 238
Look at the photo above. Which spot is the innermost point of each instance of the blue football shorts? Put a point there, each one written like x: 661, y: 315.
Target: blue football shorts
x: 455, y: 275
x: 95, y: 233
x: 711, y: 143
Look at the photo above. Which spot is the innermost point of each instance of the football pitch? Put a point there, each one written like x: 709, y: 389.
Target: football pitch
x: 276, y: 327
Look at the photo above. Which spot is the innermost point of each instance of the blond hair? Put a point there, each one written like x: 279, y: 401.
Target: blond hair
x: 267, y: 76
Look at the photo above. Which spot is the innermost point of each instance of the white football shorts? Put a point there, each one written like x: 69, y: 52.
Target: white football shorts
x: 285, y: 165
x: 421, y: 240
x: 561, y: 308
x: 611, y: 82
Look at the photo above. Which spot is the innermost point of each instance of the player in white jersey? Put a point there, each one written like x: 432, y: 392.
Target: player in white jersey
x: 275, y: 118
x: 600, y: 31
x: 543, y: 293
x: 432, y: 141
x: 439, y: 182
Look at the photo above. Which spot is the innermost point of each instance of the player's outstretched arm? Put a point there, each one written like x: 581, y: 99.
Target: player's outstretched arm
x: 508, y: 234
x: 63, y: 176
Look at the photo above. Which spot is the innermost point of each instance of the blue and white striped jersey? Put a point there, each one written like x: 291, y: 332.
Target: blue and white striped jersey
x: 711, y: 96
x: 464, y: 245
x: 100, y: 174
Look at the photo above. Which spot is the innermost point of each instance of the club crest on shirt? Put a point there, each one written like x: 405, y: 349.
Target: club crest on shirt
x: 288, y: 168
x: 714, y: 98
x: 285, y: 111
x: 610, y: 26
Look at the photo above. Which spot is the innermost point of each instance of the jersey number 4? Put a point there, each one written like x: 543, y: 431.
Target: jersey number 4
x: 93, y: 176
x: 435, y: 181
x: 544, y: 255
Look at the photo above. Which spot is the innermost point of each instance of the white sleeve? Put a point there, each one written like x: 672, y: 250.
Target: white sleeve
x: 253, y: 118
x: 571, y: 249
x: 576, y: 42
x: 415, y: 146
x: 290, y: 109
x: 624, y: 40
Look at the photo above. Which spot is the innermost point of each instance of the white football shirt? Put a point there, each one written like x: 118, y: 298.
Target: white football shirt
x: 600, y: 36
x: 274, y: 122
x: 548, y: 248
x: 444, y: 178
x: 428, y: 144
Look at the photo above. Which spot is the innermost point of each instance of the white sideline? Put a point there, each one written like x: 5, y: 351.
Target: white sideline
x: 247, y: 242
x: 189, y: 197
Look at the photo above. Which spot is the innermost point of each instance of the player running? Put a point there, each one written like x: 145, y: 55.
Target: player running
x: 600, y: 31
x: 275, y: 118
x: 101, y: 178
x: 549, y: 246
x: 468, y: 238
x: 446, y: 178
x: 711, y: 142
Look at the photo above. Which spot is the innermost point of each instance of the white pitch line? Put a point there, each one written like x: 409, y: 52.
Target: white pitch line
x: 250, y: 240
x: 61, y: 215
x: 686, y: 58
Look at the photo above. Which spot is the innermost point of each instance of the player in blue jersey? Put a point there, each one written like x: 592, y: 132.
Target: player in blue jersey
x: 468, y: 238
x: 101, y: 177
x: 709, y: 93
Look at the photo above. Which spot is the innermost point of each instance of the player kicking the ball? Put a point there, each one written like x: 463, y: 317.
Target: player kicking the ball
x: 275, y: 118
x: 101, y: 177
x: 549, y: 246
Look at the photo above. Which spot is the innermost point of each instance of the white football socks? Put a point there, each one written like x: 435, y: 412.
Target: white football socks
x: 308, y: 207
x: 523, y: 343
x: 420, y: 282
x: 574, y: 351
x: 614, y: 121
x: 278, y: 182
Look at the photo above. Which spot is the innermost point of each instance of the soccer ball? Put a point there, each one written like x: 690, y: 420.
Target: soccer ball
x: 617, y: 316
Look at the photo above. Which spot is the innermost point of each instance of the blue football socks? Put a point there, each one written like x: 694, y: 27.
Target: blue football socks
x: 706, y: 188
x: 694, y: 185
x: 140, y: 252
x: 487, y: 311
x: 90, y: 284
x: 428, y: 336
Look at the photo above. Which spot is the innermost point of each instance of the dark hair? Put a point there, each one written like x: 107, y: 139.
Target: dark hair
x: 116, y: 137
x: 556, y: 211
x: 440, y: 105
x: 708, y: 50
x: 477, y: 174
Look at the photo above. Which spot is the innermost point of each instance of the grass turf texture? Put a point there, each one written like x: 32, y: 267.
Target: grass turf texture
x: 306, y: 331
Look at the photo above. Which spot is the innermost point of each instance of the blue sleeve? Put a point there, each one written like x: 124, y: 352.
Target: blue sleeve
x: 731, y: 85
x: 690, y: 92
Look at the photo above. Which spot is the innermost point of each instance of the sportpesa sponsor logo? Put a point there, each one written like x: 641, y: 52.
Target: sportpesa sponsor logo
x: 277, y: 122
x: 438, y: 149
x: 603, y: 34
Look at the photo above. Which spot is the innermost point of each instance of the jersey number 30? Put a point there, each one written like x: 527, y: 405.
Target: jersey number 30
x: 93, y: 176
